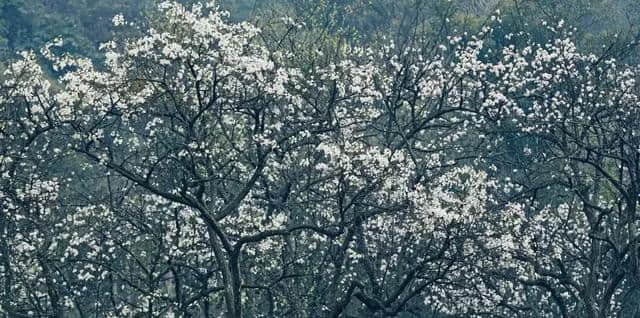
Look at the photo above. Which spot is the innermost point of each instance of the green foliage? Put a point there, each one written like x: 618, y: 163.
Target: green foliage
x: 29, y: 24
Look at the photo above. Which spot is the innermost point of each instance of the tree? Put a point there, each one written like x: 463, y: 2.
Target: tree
x: 569, y: 120
x: 209, y: 168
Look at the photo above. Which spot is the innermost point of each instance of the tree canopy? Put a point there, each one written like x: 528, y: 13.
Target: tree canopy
x: 320, y: 159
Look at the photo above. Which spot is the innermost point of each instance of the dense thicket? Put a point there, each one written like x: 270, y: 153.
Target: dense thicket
x: 320, y: 159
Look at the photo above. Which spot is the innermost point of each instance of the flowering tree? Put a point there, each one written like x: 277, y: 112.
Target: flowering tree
x: 211, y: 169
x: 569, y: 122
